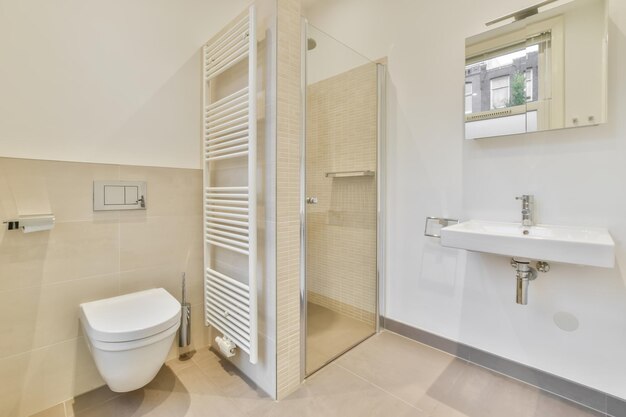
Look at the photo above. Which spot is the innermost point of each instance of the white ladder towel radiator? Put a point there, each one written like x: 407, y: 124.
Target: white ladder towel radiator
x: 230, y: 212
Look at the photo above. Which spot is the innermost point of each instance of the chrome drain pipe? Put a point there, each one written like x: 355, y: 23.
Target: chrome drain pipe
x: 524, y: 274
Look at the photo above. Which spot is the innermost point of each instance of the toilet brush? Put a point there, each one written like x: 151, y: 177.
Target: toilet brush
x: 184, y: 336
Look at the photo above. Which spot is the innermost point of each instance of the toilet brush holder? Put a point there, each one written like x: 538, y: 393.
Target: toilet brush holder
x: 184, y: 335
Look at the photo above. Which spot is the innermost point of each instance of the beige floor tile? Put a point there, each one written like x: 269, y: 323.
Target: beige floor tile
x: 89, y: 399
x: 358, y: 384
x: 414, y: 372
x: 207, y: 359
x: 56, y: 411
x: 164, y: 394
x: 334, y: 391
x: 232, y: 384
x: 188, y: 393
x: 549, y: 405
x: 481, y: 393
x: 329, y: 334
x: 546, y: 405
x: 243, y: 392
x: 130, y: 404
x: 208, y: 394
x: 178, y: 364
x: 443, y: 410
x: 191, y: 379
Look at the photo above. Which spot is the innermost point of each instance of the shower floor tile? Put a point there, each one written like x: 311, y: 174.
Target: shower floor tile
x: 329, y: 334
x: 385, y: 376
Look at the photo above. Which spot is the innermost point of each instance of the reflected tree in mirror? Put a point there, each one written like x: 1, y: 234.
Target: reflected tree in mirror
x: 518, y: 89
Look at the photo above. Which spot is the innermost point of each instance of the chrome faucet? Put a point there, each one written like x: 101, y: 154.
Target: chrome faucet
x: 527, y: 209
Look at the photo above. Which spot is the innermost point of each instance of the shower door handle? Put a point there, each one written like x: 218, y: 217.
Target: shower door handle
x: 311, y: 200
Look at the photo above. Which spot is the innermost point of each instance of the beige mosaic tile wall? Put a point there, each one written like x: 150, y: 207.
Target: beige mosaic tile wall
x: 44, y: 276
x: 341, y: 228
x: 288, y: 197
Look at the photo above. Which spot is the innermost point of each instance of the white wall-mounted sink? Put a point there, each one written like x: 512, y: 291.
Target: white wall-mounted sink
x: 574, y: 245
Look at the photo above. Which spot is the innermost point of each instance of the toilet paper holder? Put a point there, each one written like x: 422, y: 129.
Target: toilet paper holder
x: 433, y: 225
x: 31, y: 223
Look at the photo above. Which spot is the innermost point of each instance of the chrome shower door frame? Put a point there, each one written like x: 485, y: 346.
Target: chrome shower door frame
x: 380, y: 197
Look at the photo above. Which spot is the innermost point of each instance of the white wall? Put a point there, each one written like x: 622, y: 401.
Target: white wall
x: 329, y: 57
x: 577, y: 177
x: 105, y: 81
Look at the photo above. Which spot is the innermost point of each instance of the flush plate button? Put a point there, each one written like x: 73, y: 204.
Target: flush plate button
x: 119, y: 195
x: 114, y: 195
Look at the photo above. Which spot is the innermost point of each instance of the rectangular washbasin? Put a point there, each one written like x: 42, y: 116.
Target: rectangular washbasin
x: 575, y: 245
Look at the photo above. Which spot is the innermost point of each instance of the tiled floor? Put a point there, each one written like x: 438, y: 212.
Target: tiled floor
x: 329, y: 334
x: 387, y: 375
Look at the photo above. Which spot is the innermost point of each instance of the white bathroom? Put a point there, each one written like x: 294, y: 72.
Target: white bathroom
x: 312, y: 207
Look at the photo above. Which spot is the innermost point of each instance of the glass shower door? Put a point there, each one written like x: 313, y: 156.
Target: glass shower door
x: 341, y: 195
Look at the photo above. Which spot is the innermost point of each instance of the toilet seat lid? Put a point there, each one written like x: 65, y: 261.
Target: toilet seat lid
x: 131, y: 316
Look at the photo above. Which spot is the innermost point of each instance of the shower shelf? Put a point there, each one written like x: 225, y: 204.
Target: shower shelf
x: 350, y: 174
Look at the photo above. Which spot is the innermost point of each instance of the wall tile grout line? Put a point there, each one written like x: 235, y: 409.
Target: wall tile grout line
x: 57, y: 283
x: 88, y: 256
x: 82, y: 278
x: 37, y: 349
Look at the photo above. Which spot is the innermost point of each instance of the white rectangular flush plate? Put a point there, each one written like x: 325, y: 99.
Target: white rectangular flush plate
x: 119, y: 195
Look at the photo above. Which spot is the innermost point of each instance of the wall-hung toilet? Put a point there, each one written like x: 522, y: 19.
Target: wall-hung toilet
x: 130, y: 336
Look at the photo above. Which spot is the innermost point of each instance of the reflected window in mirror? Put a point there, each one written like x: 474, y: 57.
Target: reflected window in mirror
x: 529, y: 84
x: 527, y: 76
x: 500, y: 93
x: 469, y: 92
x: 508, y: 87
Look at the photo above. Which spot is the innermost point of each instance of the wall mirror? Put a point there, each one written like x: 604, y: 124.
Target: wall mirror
x: 545, y: 70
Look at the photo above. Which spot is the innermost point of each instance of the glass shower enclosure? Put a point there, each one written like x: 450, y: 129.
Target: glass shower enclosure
x: 341, y: 194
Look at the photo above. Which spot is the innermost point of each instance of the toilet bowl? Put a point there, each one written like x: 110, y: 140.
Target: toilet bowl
x: 130, y: 336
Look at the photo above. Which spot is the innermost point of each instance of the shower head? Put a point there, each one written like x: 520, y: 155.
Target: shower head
x: 310, y: 44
